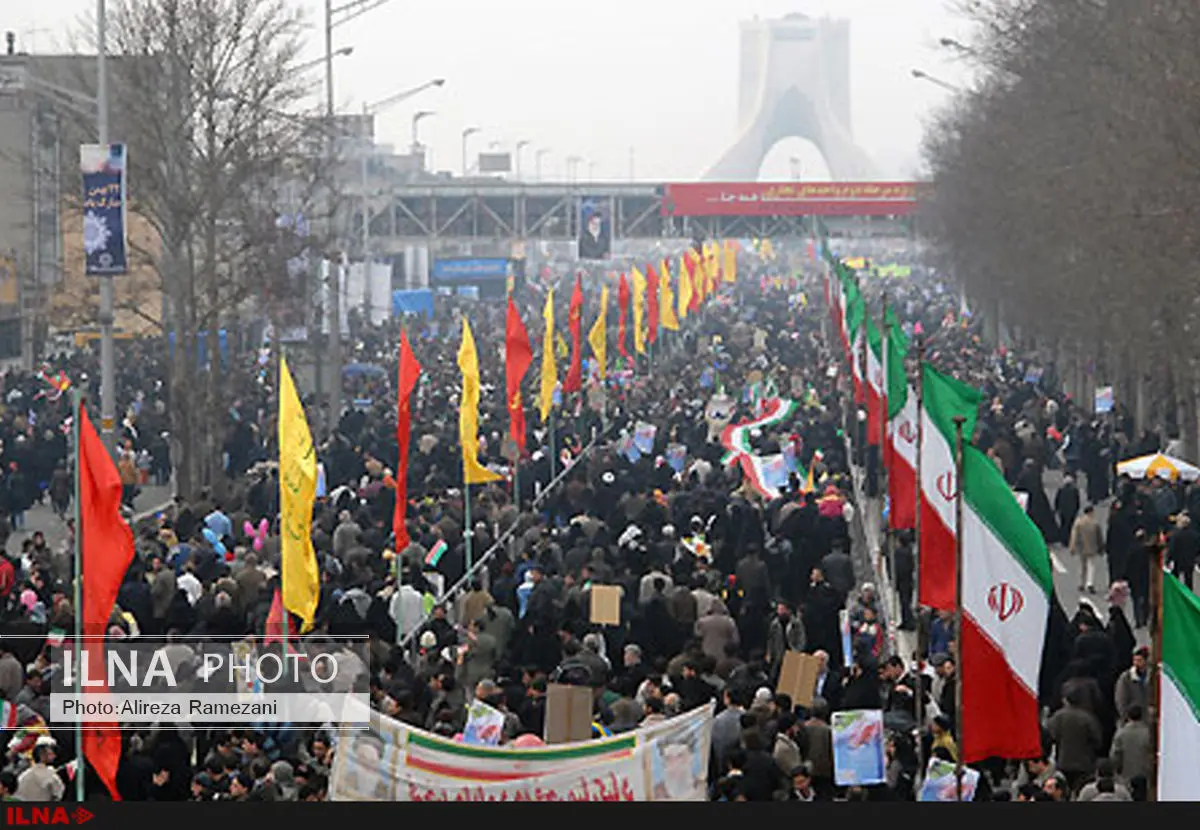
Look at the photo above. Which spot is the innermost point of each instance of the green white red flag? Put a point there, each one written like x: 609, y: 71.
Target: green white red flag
x: 943, y: 398
x: 1007, y: 589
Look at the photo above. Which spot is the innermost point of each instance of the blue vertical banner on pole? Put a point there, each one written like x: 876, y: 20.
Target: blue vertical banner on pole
x: 104, y: 243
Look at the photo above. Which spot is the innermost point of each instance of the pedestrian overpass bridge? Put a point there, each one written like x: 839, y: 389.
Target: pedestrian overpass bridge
x: 499, y: 211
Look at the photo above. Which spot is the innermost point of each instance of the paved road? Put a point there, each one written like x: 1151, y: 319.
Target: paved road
x: 1067, y: 572
x: 1067, y: 568
x: 41, y: 517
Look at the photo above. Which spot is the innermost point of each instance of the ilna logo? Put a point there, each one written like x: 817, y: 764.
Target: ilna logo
x: 46, y: 815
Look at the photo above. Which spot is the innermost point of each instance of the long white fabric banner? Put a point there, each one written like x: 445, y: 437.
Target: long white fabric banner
x: 391, y: 761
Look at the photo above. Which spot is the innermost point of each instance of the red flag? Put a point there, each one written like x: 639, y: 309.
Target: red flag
x: 406, y: 381
x: 623, y: 308
x: 107, y: 543
x: 518, y: 355
x: 651, y: 305
x: 276, y: 623
x: 689, y: 262
x: 574, y: 380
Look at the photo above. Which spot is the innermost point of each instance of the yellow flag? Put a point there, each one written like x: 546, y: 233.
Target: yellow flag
x: 729, y: 271
x: 767, y: 250
x: 468, y: 411
x: 701, y: 274
x: 639, y: 311
x: 685, y: 290
x: 297, y: 489
x: 549, y: 367
x: 598, y: 336
x: 666, y: 299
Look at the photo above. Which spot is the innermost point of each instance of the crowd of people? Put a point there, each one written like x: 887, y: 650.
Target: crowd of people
x: 717, y: 581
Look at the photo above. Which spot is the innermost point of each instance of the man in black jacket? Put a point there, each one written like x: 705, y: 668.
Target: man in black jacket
x: 821, y: 617
x: 1184, y: 549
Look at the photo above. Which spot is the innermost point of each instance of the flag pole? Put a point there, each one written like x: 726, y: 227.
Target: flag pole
x: 516, y: 484
x: 80, y: 761
x: 553, y: 457
x: 1156, y: 663
x: 863, y: 446
x: 918, y: 557
x: 882, y: 472
x: 467, y: 521
x: 285, y: 614
x: 883, y: 392
x: 959, y: 420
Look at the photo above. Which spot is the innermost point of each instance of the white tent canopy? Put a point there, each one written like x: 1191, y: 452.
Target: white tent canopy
x: 1162, y: 466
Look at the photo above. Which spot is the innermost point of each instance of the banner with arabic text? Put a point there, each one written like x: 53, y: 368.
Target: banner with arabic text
x: 104, y: 242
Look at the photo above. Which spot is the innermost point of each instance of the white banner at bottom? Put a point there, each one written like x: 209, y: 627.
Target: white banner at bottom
x: 394, y: 762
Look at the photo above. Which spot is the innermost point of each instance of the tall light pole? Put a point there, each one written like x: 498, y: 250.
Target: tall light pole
x: 344, y: 52
x: 572, y: 167
x: 466, y: 134
x: 951, y: 43
x: 925, y: 76
x: 365, y: 205
x: 591, y: 171
x: 537, y: 162
x: 335, y: 16
x: 521, y: 145
x: 632, y: 157
x: 108, y: 361
x: 417, y: 118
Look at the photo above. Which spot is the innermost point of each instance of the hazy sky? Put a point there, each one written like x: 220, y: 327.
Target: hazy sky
x: 594, y: 80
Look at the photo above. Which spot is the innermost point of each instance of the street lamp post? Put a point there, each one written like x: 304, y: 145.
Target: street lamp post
x: 466, y: 134
x: 951, y: 43
x: 108, y: 363
x: 537, y: 162
x: 365, y: 205
x: 344, y: 52
x: 521, y: 145
x: 417, y: 118
x: 343, y: 13
x: 572, y: 167
x: 921, y: 75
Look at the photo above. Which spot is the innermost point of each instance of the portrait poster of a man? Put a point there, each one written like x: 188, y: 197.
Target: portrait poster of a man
x: 595, y: 229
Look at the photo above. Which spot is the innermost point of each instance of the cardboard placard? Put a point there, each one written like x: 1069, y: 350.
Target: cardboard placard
x: 798, y: 677
x: 606, y: 605
x: 568, y: 714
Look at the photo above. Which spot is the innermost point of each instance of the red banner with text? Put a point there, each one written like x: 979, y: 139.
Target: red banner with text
x: 794, y: 199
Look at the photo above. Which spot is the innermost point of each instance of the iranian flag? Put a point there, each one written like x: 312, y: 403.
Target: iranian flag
x: 943, y: 398
x: 1007, y: 589
x: 856, y: 312
x: 876, y: 389
x: 1179, y: 719
x: 900, y: 454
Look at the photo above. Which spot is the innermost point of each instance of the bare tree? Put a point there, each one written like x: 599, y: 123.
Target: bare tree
x: 1065, y: 189
x: 220, y: 150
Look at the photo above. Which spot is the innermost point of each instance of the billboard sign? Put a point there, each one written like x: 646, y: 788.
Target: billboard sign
x: 463, y: 271
x: 595, y: 227
x: 495, y: 162
x: 792, y: 199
